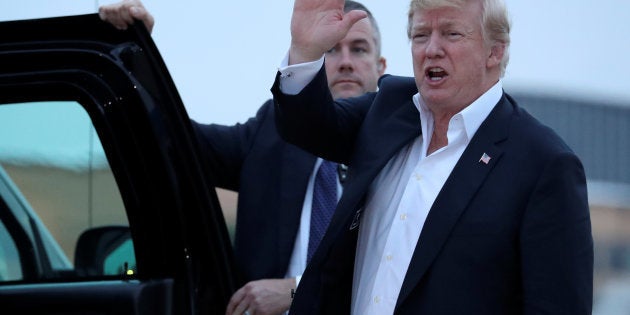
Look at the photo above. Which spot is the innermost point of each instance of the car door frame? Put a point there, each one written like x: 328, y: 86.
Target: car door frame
x: 183, y: 252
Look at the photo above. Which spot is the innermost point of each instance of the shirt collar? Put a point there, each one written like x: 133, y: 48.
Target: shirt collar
x: 472, y: 115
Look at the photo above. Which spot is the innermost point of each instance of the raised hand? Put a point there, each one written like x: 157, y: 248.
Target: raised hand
x: 316, y: 26
x: 123, y: 13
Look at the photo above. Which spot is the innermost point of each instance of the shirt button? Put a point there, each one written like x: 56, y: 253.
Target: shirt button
x: 389, y: 257
x: 403, y: 217
x: 418, y: 176
x: 377, y: 299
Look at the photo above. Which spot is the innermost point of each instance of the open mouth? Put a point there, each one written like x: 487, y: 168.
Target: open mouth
x: 435, y: 74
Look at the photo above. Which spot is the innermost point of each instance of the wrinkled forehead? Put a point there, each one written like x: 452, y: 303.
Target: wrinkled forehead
x: 434, y: 4
x: 448, y: 12
x: 426, y: 5
x: 362, y: 31
x: 362, y: 34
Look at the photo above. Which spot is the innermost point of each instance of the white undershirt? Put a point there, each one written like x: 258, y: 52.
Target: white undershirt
x: 399, y: 199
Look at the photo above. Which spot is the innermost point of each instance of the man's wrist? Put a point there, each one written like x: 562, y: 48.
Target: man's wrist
x: 293, y: 78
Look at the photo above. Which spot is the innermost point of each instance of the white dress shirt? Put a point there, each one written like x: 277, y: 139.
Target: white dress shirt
x: 398, y: 203
x: 297, y: 264
x: 400, y: 197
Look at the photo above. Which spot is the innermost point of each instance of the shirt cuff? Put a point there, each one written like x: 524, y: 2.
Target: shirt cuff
x: 293, y: 78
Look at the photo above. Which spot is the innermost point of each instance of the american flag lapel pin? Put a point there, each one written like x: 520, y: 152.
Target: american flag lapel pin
x: 485, y: 158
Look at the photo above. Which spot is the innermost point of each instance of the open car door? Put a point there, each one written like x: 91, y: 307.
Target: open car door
x: 106, y: 207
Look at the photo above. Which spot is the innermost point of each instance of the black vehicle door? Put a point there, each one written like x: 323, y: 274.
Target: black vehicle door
x: 107, y: 207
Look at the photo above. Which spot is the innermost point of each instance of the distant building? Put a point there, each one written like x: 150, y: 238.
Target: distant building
x: 599, y: 132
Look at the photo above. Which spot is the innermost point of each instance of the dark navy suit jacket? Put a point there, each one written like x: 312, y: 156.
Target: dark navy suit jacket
x: 270, y: 176
x: 512, y: 236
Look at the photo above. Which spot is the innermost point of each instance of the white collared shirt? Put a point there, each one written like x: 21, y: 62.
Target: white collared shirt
x: 399, y: 199
x: 398, y: 203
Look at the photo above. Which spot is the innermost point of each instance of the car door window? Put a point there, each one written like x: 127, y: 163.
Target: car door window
x: 58, y: 195
x: 10, y: 268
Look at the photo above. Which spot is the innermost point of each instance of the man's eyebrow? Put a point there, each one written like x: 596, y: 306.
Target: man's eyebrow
x: 441, y: 24
x: 419, y: 27
x: 360, y: 41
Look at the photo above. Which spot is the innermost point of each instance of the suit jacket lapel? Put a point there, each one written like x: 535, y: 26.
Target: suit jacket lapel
x: 335, y: 255
x: 468, y: 175
x: 387, y: 128
x: 387, y: 131
x: 387, y: 136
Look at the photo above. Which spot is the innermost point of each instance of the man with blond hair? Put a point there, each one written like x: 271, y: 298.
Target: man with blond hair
x: 457, y: 200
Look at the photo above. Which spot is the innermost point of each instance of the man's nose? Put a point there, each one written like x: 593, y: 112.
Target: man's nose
x: 346, y: 62
x: 434, y: 47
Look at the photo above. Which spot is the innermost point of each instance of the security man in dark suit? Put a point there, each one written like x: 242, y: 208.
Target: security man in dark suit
x: 275, y: 180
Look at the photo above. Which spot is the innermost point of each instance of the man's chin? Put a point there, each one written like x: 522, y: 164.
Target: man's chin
x: 345, y: 93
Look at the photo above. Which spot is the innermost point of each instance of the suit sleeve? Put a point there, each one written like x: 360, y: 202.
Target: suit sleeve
x: 225, y: 148
x: 556, y: 242
x: 313, y: 121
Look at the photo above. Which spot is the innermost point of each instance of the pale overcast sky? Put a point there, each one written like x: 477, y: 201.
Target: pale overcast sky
x: 223, y: 54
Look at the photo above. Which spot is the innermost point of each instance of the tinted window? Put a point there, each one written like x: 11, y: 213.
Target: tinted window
x: 10, y: 268
x: 57, y: 184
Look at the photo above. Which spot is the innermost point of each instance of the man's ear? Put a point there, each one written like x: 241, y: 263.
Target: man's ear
x: 381, y: 65
x: 496, y: 54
